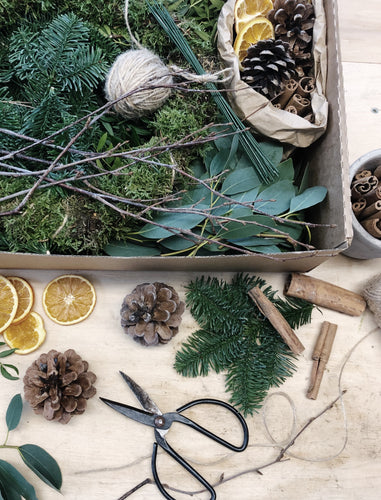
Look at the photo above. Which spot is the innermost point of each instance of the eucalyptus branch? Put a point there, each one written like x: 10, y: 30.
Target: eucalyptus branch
x: 224, y: 479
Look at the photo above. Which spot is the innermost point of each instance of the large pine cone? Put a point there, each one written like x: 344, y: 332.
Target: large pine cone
x: 151, y: 313
x: 267, y: 65
x: 57, y: 385
x: 293, y: 22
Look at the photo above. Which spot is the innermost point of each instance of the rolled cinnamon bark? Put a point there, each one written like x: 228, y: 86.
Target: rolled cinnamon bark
x: 373, y: 195
x: 289, y: 89
x: 322, y: 353
x: 373, y: 226
x: 306, y: 86
x: 373, y: 211
x: 377, y: 172
x: 301, y: 104
x: 324, y: 294
x: 358, y: 206
x: 278, y: 321
x: 292, y: 110
x: 362, y: 174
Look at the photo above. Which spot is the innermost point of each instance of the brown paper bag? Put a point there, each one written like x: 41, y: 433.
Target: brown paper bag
x: 255, y: 109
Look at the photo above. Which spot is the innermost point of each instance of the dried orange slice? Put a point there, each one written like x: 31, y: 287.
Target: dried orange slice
x: 8, y: 303
x: 27, y: 335
x: 25, y: 297
x: 246, y: 10
x: 69, y: 299
x: 259, y: 28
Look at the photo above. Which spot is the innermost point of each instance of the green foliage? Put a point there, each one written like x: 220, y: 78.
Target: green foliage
x: 5, y: 368
x: 235, y: 338
x: 260, y: 217
x: 13, y: 485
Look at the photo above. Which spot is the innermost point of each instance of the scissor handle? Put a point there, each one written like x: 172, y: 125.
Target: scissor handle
x: 202, y: 430
x: 160, y: 440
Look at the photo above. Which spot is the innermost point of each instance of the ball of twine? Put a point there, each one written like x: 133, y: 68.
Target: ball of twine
x: 131, y: 72
x: 372, y: 295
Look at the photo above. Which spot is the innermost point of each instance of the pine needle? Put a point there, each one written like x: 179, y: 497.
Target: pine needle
x: 263, y: 166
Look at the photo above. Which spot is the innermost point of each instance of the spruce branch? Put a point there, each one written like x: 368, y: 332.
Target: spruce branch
x: 236, y: 338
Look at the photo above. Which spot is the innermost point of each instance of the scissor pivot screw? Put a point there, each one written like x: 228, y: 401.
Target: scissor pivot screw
x: 159, y: 421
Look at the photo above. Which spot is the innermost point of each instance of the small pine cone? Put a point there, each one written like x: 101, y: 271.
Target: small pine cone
x: 58, y: 385
x: 151, y: 313
x: 293, y: 22
x: 267, y: 65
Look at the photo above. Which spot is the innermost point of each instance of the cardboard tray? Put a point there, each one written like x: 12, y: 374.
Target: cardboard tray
x: 328, y: 166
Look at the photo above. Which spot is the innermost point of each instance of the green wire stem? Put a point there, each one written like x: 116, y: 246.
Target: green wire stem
x: 265, y: 169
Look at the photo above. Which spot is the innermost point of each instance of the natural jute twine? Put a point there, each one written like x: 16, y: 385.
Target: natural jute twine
x: 144, y: 80
x: 372, y: 295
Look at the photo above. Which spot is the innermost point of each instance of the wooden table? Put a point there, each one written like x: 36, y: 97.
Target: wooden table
x: 102, y: 455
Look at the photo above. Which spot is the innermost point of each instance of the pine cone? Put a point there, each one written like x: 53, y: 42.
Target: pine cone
x: 151, y: 313
x: 293, y: 21
x: 267, y: 65
x: 57, y: 385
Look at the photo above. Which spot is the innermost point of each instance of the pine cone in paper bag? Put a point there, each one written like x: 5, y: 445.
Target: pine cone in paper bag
x: 151, y: 313
x: 58, y: 385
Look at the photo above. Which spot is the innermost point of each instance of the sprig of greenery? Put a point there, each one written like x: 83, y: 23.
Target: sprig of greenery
x: 235, y: 338
x: 4, y: 367
x: 13, y: 485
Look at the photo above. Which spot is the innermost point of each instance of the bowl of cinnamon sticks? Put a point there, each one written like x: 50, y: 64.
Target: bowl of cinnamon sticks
x: 365, y: 179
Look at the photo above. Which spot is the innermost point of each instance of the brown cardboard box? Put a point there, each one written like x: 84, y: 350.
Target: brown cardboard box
x: 328, y: 167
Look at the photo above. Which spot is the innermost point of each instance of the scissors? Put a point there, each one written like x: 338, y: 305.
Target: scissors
x: 152, y: 416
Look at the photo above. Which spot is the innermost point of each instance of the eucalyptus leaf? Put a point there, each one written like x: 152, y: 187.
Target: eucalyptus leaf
x: 273, y: 151
x: 11, y: 477
x: 177, y: 243
x: 219, y: 162
x: 5, y: 373
x: 14, y: 411
x: 127, y: 249
x: 233, y: 230
x: 256, y: 241
x: 266, y: 249
x: 276, y: 198
x: 240, y: 181
x: 310, y: 197
x: 286, y: 170
x: 177, y: 221
x: 42, y: 464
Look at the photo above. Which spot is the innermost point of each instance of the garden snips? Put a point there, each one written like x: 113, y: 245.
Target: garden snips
x: 152, y: 416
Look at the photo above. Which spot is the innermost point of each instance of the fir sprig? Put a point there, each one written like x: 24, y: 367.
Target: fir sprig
x: 236, y: 338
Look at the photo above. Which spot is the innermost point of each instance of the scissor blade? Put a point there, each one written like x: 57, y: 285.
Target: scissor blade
x: 142, y: 416
x: 141, y: 395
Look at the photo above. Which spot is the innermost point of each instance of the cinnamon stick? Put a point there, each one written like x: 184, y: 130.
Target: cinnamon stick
x: 277, y: 320
x: 362, y: 174
x: 324, y: 294
x: 306, y: 86
x: 372, y: 210
x: 358, y: 206
x: 322, y: 352
x: 292, y: 110
x: 373, y: 226
x: 377, y: 172
x: 289, y: 89
x: 301, y: 104
x: 373, y: 195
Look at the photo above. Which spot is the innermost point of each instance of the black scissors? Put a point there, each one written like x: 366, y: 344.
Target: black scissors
x: 152, y: 416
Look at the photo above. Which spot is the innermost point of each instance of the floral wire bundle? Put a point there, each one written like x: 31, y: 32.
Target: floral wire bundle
x: 235, y: 338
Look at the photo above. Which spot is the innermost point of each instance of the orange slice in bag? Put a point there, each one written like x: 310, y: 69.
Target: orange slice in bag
x: 25, y: 297
x: 259, y: 28
x: 27, y: 335
x: 8, y: 303
x: 246, y: 10
x: 69, y: 299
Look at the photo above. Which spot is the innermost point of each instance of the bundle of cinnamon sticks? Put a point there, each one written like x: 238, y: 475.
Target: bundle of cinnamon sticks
x: 296, y: 97
x: 366, y: 200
